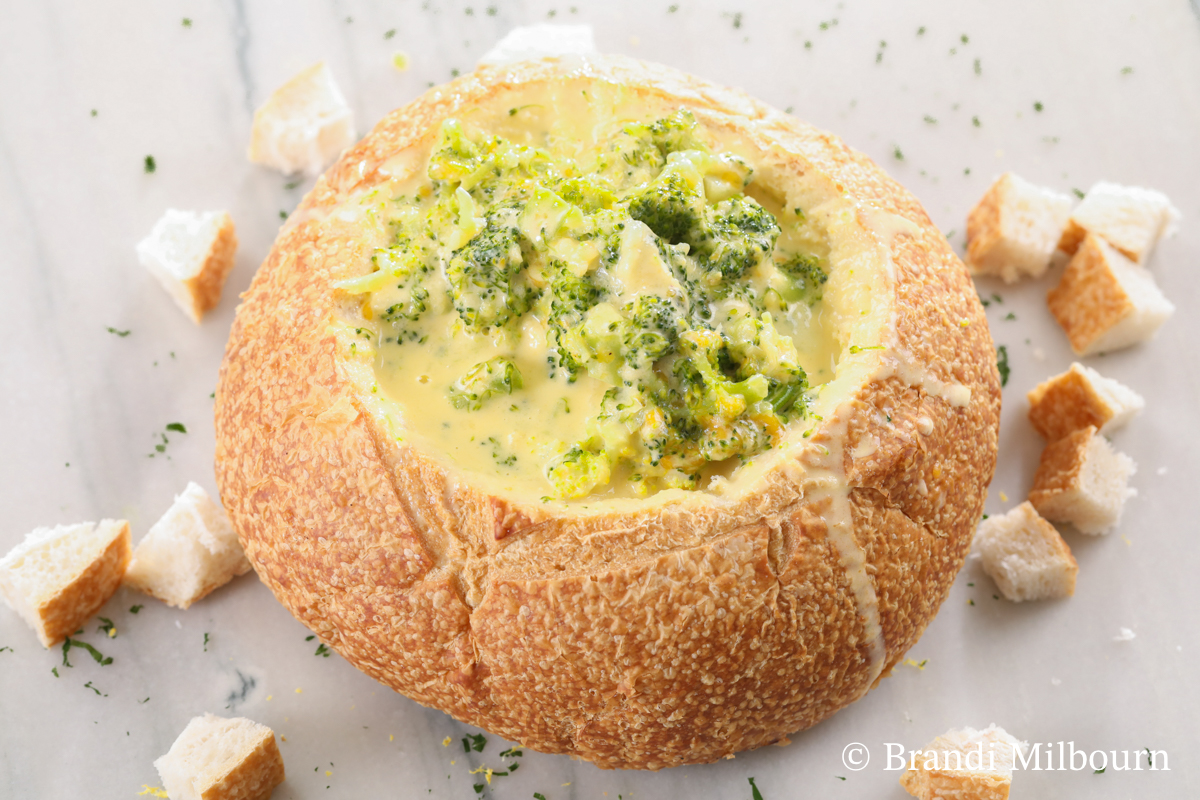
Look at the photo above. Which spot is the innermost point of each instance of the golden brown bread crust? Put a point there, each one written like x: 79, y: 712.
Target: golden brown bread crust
x: 66, y: 612
x: 676, y: 633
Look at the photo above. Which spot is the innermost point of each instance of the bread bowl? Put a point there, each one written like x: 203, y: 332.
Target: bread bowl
x: 679, y: 625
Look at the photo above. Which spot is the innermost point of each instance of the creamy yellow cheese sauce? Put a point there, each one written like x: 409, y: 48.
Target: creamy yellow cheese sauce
x: 512, y: 436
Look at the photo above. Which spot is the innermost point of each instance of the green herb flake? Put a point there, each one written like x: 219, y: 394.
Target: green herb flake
x: 1037, y: 106
x: 187, y: 22
x: 931, y: 120
x: 978, y: 67
x: 539, y: 796
x: 178, y: 427
x: 975, y: 121
x: 965, y: 39
x: 671, y: 9
x: 99, y: 657
x: 89, y: 685
x: 149, y: 165
x: 754, y: 792
x: 55, y: 671
x: 474, y: 741
x: 116, y: 332
x: 1099, y: 771
x: 855, y: 349
x: 323, y: 650
x: 283, y: 214
x: 143, y: 702
x: 897, y: 153
x: 108, y: 628
x: 1126, y: 70
x: 8, y: 649
x: 206, y: 642
x: 970, y: 602
x: 1011, y: 317
x: 1077, y: 192
x: 839, y: 777
x: 921, y: 31
x: 1002, y: 364
x: 491, y: 11
x: 95, y: 113
x: 310, y: 637
x: 390, y: 33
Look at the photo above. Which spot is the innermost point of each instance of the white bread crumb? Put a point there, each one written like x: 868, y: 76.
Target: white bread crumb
x: 964, y: 764
x: 222, y: 759
x: 1083, y: 481
x: 57, y: 578
x: 1026, y: 556
x: 1014, y: 229
x: 1126, y: 635
x: 192, y: 550
x: 191, y: 254
x: 1080, y: 397
x: 304, y: 125
x: 1105, y: 302
x: 1129, y: 218
x: 540, y: 41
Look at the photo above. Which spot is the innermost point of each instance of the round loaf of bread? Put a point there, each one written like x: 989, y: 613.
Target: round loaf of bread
x: 635, y: 629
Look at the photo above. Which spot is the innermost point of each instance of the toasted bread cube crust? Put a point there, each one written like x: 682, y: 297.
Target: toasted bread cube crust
x: 188, y: 553
x: 1105, y: 302
x: 304, y: 125
x: 964, y: 764
x: 1083, y: 481
x: 1026, y: 556
x: 59, y: 577
x: 1080, y: 397
x: 1129, y: 218
x: 222, y: 759
x: 191, y: 254
x: 1013, y: 231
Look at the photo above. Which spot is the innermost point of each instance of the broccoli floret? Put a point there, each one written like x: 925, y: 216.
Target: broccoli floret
x: 669, y: 134
x: 589, y: 194
x: 671, y: 207
x: 455, y: 156
x: 739, y: 233
x: 807, y: 276
x: 578, y: 471
x: 484, y: 380
x: 486, y: 277
x: 654, y: 327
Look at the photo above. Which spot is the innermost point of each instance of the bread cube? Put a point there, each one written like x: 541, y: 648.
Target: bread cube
x: 192, y: 550
x: 1078, y: 398
x: 1129, y: 218
x: 303, y: 126
x: 540, y: 41
x: 1105, y: 302
x: 1015, y: 228
x: 1026, y: 556
x: 222, y: 759
x: 59, y: 577
x: 964, y: 764
x: 1083, y: 481
x: 191, y: 254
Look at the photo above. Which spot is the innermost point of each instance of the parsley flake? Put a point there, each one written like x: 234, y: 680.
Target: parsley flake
x: 116, y: 332
x: 135, y: 609
x: 390, y: 33
x: 323, y: 650
x: 1002, y: 364
x: 187, y: 22
x: 755, y: 793
x: 178, y: 427
x: 149, y: 165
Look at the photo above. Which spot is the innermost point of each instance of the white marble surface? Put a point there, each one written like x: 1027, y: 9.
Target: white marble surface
x: 82, y: 407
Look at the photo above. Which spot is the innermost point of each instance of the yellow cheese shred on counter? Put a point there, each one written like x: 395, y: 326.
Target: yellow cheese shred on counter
x: 610, y: 317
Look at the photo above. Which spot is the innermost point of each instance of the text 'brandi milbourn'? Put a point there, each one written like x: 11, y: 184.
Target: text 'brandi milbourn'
x: 1059, y: 756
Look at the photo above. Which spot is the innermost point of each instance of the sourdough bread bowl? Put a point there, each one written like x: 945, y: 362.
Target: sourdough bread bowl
x: 637, y: 607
